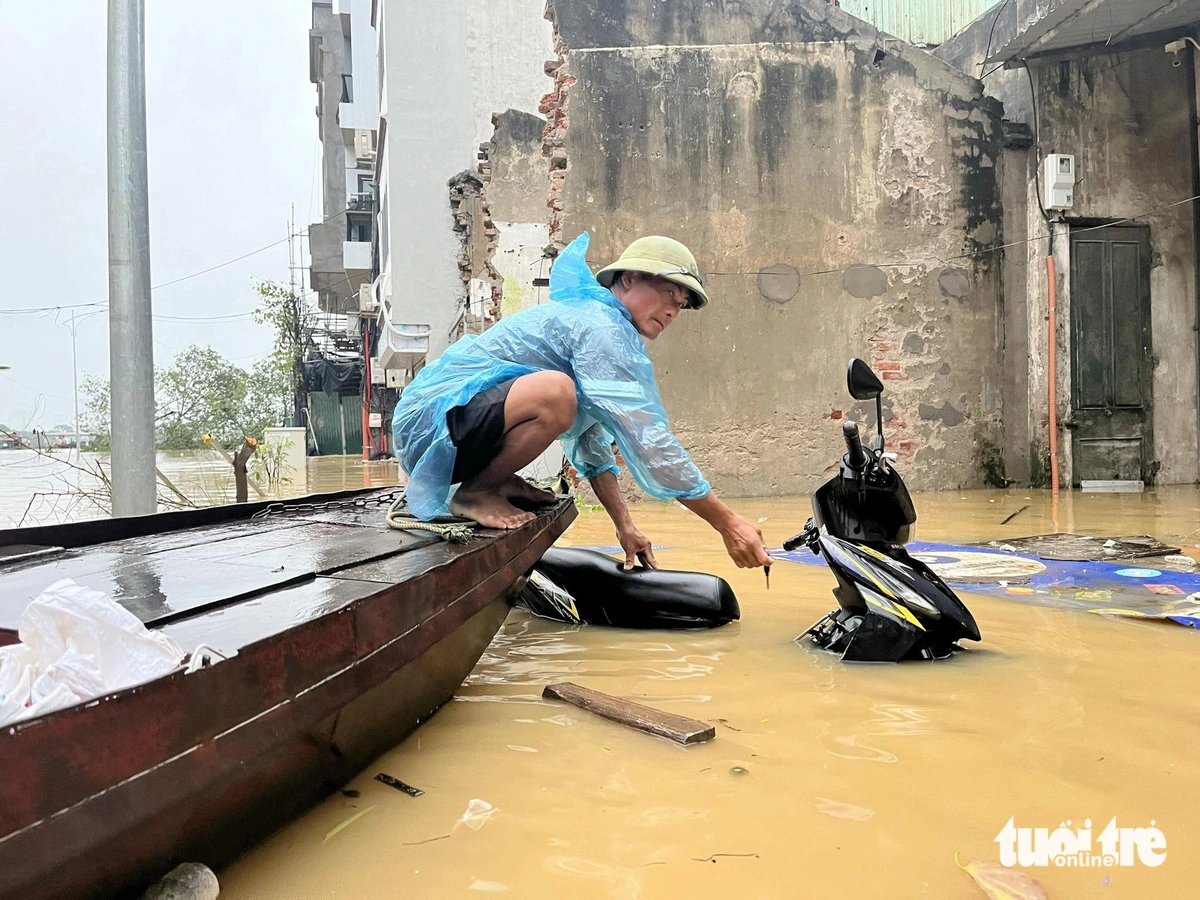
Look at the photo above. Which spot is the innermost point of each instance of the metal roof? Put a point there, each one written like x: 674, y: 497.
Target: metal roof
x: 1099, y: 24
x: 921, y: 22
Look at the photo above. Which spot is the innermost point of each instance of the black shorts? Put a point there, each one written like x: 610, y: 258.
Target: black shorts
x: 477, y: 430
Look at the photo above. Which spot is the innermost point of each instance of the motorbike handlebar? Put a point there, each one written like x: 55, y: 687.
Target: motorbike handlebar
x: 856, y: 457
x: 795, y: 541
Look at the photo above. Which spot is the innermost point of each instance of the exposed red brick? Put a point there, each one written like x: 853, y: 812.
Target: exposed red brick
x: 887, y: 366
x: 894, y: 376
x: 554, y: 107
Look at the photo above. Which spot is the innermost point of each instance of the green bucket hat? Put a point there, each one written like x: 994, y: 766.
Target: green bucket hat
x: 663, y: 257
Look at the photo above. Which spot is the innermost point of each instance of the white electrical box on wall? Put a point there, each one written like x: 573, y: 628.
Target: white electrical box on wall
x: 1058, y: 181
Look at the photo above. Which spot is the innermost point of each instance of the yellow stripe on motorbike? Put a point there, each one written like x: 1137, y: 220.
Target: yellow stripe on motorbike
x: 873, y: 552
x: 883, y: 589
x: 898, y: 611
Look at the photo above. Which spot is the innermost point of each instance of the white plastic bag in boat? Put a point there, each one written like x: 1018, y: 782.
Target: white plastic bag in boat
x: 77, y: 644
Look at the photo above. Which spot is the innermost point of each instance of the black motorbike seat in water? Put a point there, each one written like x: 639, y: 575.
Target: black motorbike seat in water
x: 605, y: 594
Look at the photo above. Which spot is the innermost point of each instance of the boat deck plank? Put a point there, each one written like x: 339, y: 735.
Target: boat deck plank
x: 203, y: 535
x: 153, y: 588
x: 229, y: 629
x: 159, y: 583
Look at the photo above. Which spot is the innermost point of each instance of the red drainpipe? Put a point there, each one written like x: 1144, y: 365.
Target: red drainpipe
x: 366, y: 425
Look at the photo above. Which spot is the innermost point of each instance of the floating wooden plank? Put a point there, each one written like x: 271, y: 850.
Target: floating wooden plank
x: 680, y: 729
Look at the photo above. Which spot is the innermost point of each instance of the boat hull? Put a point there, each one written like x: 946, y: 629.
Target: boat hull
x: 101, y: 799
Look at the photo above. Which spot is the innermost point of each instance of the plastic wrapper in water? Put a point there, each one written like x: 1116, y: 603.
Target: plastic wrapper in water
x: 478, y: 812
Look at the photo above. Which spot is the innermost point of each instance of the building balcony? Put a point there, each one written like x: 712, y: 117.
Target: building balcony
x: 327, y: 274
x: 356, y: 260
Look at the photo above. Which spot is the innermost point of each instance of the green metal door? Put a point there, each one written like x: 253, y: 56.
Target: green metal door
x: 1111, y: 392
x: 352, y: 413
x: 336, y: 423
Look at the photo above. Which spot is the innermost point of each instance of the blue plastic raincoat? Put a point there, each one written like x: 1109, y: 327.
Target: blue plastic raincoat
x: 586, y: 333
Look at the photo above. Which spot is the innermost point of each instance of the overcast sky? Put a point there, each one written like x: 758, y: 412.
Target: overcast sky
x: 232, y: 145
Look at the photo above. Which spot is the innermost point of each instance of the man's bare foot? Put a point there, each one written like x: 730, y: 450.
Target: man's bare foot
x: 488, y: 508
x: 517, y: 488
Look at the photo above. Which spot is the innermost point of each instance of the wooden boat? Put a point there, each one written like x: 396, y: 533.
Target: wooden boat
x: 340, y: 637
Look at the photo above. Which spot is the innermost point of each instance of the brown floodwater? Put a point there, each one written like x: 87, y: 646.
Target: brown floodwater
x: 47, y: 488
x: 824, y: 780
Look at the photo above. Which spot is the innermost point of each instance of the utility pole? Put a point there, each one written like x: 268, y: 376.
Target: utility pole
x: 75, y: 384
x: 131, y: 347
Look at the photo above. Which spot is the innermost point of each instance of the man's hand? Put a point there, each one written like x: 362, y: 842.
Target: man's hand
x: 635, y: 544
x: 637, y: 547
x: 744, y: 543
x: 743, y: 539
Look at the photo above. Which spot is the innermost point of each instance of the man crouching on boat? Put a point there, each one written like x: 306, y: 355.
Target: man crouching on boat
x: 573, y: 369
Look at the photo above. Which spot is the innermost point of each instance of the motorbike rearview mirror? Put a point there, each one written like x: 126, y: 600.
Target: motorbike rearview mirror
x: 862, y: 382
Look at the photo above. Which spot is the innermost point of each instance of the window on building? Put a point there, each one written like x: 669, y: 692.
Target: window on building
x: 347, y: 89
x: 358, y: 227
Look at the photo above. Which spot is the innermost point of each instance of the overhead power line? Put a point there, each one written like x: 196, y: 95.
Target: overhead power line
x: 33, y: 310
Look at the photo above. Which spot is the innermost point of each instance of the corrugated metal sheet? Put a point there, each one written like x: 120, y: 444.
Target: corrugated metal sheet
x: 336, y: 423
x: 921, y: 22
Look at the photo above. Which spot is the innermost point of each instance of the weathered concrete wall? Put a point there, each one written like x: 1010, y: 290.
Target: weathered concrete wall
x: 517, y: 186
x: 1016, y: 171
x: 1124, y: 117
x: 790, y: 138
x: 428, y: 139
x: 1126, y: 120
x: 967, y: 50
x: 449, y: 66
x: 507, y: 42
x: 516, y: 192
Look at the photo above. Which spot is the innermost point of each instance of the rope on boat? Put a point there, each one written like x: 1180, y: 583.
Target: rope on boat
x: 448, y: 528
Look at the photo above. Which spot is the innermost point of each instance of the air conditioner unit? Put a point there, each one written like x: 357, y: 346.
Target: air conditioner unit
x: 364, y: 145
x: 367, y: 304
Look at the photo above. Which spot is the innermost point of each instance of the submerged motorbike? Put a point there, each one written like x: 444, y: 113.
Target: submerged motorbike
x: 890, y: 606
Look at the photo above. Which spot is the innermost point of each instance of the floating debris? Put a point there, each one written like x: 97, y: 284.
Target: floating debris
x: 399, y: 785
x: 680, y: 729
x: 1002, y: 883
x: 478, y: 812
x: 1012, y: 516
x: 338, y: 828
x: 715, y: 856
